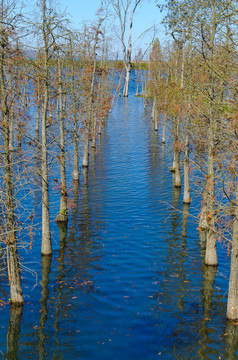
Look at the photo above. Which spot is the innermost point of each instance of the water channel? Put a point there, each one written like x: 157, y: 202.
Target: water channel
x: 126, y: 280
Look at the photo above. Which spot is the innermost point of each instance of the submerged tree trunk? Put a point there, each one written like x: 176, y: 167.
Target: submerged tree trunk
x: 127, y: 80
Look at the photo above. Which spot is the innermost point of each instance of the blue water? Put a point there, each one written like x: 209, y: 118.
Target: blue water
x: 126, y: 280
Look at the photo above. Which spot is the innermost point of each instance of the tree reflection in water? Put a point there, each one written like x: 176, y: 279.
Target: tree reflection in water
x: 209, y: 275
x: 45, y: 272
x: 13, y: 331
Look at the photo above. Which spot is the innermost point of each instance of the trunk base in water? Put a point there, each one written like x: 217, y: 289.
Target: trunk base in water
x: 62, y: 218
x: 16, y: 304
x: 186, y: 199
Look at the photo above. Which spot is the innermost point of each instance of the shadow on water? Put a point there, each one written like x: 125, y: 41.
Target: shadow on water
x: 185, y: 219
x: 209, y: 275
x: 13, y: 332
x: 59, y: 288
x: 231, y: 341
x: 45, y: 272
x: 80, y: 242
x: 178, y: 250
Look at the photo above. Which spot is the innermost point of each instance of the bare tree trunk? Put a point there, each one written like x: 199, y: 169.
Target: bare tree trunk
x: 16, y: 296
x: 164, y: 129
x: 86, y: 148
x: 123, y: 9
x: 38, y: 110
x: 176, y: 165
x: 76, y: 156
x: 63, y: 213
x: 94, y: 130
x: 211, y: 252
x: 11, y: 139
x: 153, y: 109
x: 46, y: 248
x: 232, y: 305
x: 127, y: 80
x: 156, y: 116
x: 75, y: 131
x: 186, y: 192
x: 177, y: 176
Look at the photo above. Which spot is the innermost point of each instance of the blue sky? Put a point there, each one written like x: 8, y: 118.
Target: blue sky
x: 146, y: 16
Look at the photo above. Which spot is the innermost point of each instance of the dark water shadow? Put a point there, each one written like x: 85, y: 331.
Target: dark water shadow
x: 231, y: 340
x: 205, y: 331
x: 59, y: 288
x: 13, y: 332
x: 45, y: 272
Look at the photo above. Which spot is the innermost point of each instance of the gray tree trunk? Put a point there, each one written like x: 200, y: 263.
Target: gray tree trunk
x: 86, y: 148
x: 176, y: 165
x: 164, y: 129
x: 211, y: 252
x: 46, y: 248
x: 16, y: 296
x: 63, y: 213
x: 186, y: 192
x: 232, y: 304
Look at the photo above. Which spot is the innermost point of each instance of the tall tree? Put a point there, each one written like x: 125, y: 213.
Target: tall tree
x: 7, y: 22
x: 48, y: 29
x: 125, y: 10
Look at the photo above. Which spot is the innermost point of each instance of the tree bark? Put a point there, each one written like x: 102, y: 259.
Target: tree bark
x: 46, y: 248
x: 156, y: 116
x: 63, y: 213
x: 127, y: 80
x: 75, y: 131
x: 232, y: 304
x: 176, y: 165
x: 86, y: 148
x: 16, y: 296
x: 186, y: 192
x: 164, y: 129
x: 211, y: 252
